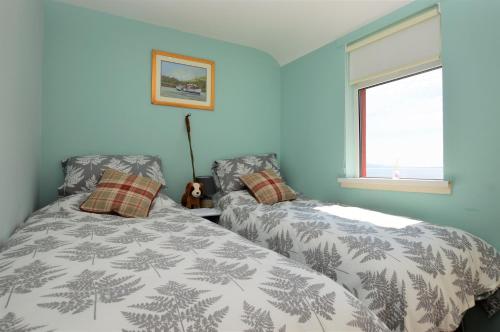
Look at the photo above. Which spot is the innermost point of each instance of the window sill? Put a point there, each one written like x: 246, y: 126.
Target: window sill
x: 442, y: 187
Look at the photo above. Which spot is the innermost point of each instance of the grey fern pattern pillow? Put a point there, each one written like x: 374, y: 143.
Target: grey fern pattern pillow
x: 81, y: 173
x: 227, y: 172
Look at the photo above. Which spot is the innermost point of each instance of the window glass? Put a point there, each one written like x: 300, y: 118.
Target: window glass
x: 402, y: 128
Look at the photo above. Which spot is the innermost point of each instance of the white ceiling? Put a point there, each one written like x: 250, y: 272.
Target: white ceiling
x: 286, y: 29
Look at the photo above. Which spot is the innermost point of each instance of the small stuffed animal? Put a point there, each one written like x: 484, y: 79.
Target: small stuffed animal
x: 191, y: 196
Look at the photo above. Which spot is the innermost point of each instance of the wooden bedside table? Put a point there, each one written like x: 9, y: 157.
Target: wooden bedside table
x: 211, y: 214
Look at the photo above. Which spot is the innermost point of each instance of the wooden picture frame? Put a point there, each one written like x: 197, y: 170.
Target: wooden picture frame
x: 182, y: 81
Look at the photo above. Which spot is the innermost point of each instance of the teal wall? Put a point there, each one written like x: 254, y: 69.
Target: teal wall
x: 312, y: 127
x: 96, y: 97
x: 21, y: 35
x: 96, y: 80
x: 313, y: 112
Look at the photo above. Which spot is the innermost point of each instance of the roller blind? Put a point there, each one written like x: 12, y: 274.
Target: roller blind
x: 411, y: 45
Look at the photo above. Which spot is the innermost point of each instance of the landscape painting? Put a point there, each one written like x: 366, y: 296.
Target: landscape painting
x: 182, y: 81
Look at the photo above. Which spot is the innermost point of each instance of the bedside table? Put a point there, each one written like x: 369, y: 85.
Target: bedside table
x: 211, y: 214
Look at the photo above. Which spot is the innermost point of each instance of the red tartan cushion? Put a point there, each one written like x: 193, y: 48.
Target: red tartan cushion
x: 124, y: 194
x: 267, y: 187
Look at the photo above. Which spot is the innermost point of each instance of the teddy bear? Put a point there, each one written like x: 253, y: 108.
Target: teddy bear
x: 191, y: 196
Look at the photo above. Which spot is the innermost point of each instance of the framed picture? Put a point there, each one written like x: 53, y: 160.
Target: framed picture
x: 182, y: 81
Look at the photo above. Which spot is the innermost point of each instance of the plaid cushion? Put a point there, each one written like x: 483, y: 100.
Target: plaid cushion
x: 124, y: 194
x: 267, y: 187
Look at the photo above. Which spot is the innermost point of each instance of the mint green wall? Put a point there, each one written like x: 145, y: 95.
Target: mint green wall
x: 96, y: 80
x: 21, y: 35
x: 313, y: 122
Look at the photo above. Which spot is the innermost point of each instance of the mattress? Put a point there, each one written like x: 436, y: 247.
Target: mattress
x: 67, y: 270
x: 414, y: 275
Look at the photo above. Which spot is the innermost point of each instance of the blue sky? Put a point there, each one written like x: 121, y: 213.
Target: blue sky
x: 181, y: 72
x: 405, y: 122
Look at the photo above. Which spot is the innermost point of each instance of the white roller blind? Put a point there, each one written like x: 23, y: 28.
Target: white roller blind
x: 412, y: 44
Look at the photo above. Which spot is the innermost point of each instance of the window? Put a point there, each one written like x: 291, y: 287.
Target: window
x: 394, y: 108
x: 401, y: 128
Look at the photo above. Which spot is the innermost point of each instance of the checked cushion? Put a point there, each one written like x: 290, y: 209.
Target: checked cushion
x: 124, y: 194
x: 268, y: 187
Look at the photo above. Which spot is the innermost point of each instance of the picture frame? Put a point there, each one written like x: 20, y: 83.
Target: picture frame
x: 182, y: 81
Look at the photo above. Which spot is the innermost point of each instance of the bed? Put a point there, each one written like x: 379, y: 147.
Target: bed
x: 67, y: 270
x: 414, y: 275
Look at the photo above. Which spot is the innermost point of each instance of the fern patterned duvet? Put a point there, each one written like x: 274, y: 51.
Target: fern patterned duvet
x: 415, y: 276
x: 67, y: 270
